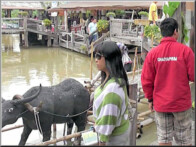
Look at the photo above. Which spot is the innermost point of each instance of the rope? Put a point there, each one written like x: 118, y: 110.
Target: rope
x: 22, y: 113
x: 37, y: 121
x: 68, y: 114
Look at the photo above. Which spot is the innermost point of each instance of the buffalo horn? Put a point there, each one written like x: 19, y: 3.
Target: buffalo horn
x: 30, y: 108
x: 25, y: 100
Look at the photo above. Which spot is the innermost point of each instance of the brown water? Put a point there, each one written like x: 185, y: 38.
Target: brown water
x: 23, y: 68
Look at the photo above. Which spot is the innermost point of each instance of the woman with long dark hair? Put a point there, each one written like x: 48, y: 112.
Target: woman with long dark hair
x: 110, y: 106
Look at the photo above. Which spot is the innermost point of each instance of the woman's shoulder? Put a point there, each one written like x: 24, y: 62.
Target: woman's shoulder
x: 112, y: 85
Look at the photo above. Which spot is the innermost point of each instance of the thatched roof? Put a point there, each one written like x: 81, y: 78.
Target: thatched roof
x: 14, y: 5
x: 102, y: 5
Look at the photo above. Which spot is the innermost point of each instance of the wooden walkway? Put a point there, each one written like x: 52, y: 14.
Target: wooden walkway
x: 129, y: 32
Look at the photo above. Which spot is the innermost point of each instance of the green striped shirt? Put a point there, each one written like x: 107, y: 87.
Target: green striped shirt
x: 110, y: 110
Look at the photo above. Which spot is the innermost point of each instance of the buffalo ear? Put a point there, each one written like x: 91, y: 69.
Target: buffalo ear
x: 17, y: 97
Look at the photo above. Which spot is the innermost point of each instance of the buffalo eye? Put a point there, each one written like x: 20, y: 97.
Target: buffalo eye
x: 10, y: 109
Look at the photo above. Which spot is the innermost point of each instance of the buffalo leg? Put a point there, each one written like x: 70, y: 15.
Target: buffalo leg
x: 25, y: 134
x: 80, y: 122
x: 46, y: 133
x: 69, y: 127
x: 69, y: 130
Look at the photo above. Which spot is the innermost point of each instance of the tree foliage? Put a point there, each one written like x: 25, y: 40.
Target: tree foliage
x: 171, y: 8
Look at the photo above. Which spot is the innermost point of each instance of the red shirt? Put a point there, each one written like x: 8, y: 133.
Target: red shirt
x: 166, y: 73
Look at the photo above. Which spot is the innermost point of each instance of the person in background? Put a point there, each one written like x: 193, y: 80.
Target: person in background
x: 91, y: 28
x: 127, y: 63
x: 110, y: 105
x: 165, y: 77
x: 35, y: 17
x: 153, y: 16
x: 52, y: 28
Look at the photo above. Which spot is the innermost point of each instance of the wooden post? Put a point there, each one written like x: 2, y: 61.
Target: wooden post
x: 55, y: 42
x: 25, y: 32
x: 49, y: 41
x: 134, y: 67
x: 133, y: 121
x: 65, y: 21
x: 177, y: 17
x: 20, y: 39
x: 91, y: 70
x: 71, y: 38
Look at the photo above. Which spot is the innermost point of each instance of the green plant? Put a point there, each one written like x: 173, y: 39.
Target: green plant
x: 35, y: 13
x: 119, y: 12
x: 111, y: 14
x: 152, y: 32
x: 2, y: 13
x: 83, y: 47
x: 88, y: 13
x: 171, y: 8
x: 14, y: 13
x: 143, y: 13
x: 23, y: 13
x: 47, y: 22
x: 185, y: 37
x: 102, y: 25
x: 81, y: 15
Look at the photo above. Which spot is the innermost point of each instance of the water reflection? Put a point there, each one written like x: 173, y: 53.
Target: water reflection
x: 23, y: 68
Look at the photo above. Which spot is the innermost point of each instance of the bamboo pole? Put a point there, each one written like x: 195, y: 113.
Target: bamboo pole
x: 11, y: 128
x: 89, y: 112
x: 134, y: 67
x: 53, y: 141
x: 91, y: 70
x: 144, y: 113
x: 147, y: 122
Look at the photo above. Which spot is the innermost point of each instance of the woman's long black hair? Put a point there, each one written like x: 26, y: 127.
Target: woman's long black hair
x: 113, y: 60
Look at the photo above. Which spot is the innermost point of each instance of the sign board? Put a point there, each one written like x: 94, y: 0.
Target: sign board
x: 90, y: 138
x: 54, y: 4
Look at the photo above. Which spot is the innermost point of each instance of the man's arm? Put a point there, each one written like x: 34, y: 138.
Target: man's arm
x: 147, y: 78
x: 190, y: 62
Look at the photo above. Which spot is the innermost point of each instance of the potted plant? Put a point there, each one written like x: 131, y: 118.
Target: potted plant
x: 111, y: 14
x: 119, y: 13
x: 152, y: 32
x: 47, y: 23
x: 23, y: 13
x: 102, y: 25
x: 88, y: 13
x: 143, y: 14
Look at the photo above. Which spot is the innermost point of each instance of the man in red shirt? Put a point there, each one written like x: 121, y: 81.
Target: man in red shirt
x: 165, y: 77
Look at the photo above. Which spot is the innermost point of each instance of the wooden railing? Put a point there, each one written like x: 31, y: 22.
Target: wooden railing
x: 12, y: 23
x: 126, y: 27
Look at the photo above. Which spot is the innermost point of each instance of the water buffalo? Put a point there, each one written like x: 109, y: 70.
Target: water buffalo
x: 55, y: 104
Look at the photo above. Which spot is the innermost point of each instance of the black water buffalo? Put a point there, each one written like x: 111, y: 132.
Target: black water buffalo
x: 56, y: 104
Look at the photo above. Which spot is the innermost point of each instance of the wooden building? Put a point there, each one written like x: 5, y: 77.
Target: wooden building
x: 100, y: 7
x: 9, y: 6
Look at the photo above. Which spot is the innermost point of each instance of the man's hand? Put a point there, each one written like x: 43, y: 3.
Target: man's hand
x: 150, y: 105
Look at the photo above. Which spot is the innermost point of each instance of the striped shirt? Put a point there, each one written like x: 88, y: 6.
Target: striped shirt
x: 110, y: 110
